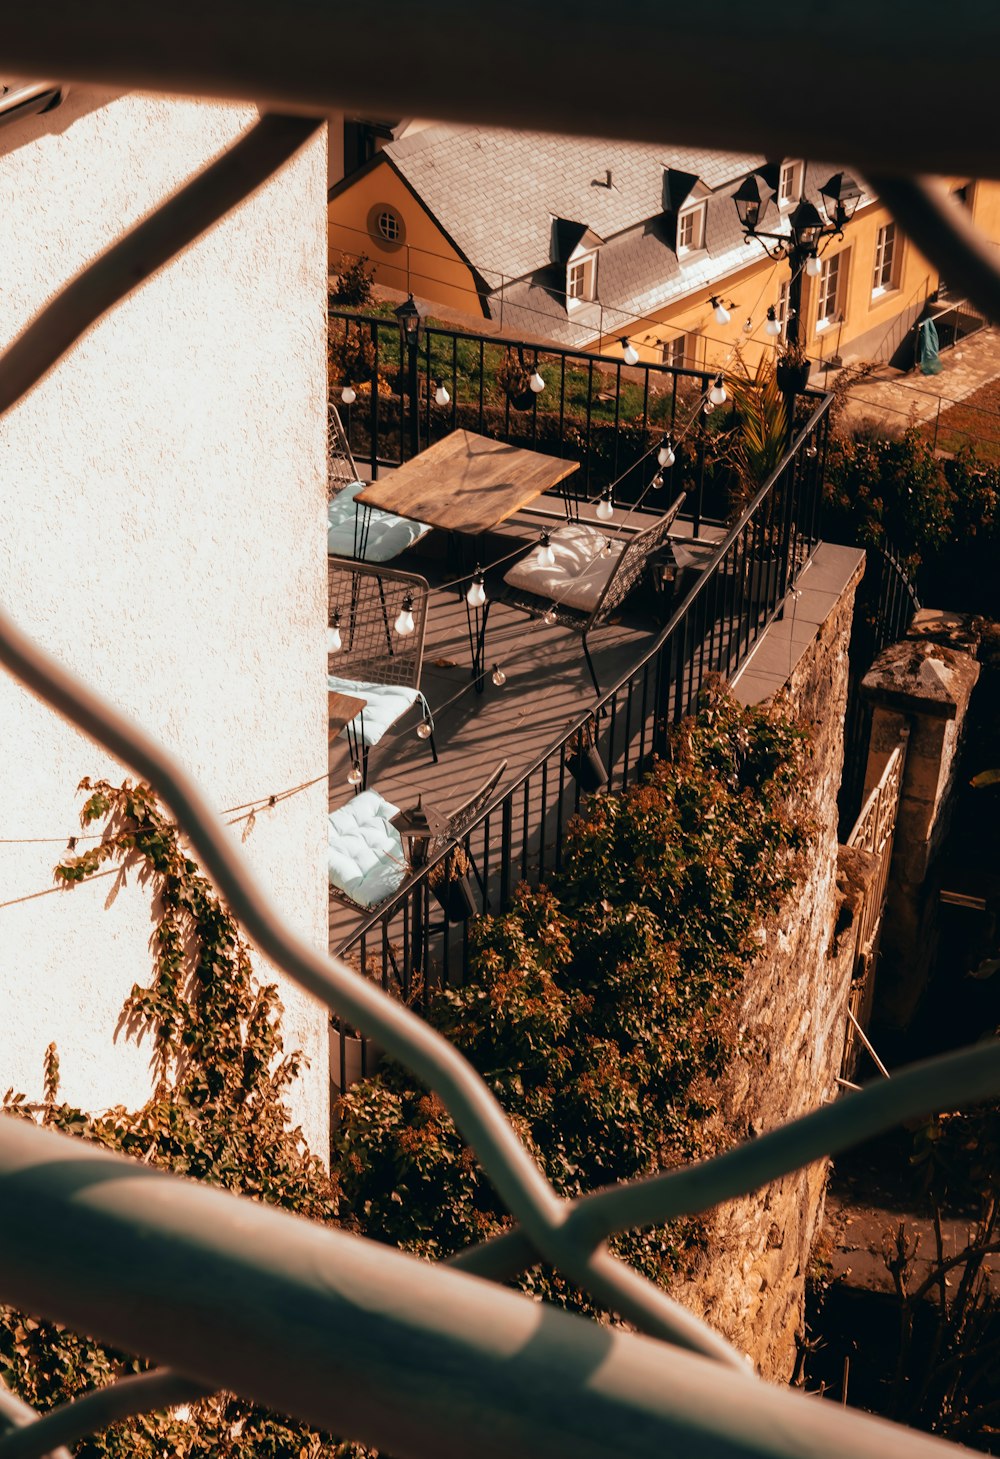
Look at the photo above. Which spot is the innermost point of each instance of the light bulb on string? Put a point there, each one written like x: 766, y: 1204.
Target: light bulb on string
x: 717, y: 394
x: 708, y: 407
x: 476, y: 596
x: 354, y: 775
x: 334, y: 637
x: 498, y: 676
x: 424, y: 730
x: 605, y: 507
x: 665, y: 455
x: 773, y: 325
x: 549, y: 616
x: 657, y: 481
x: 748, y: 325
x: 404, y: 624
x: 348, y: 395
x: 813, y: 266
x: 811, y: 450
x: 536, y: 383
x: 722, y: 314
x: 607, y: 547
x: 441, y: 396
x: 545, y: 557
x: 629, y: 352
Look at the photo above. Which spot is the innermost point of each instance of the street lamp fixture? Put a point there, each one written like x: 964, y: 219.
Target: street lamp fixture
x: 807, y: 234
x: 408, y: 318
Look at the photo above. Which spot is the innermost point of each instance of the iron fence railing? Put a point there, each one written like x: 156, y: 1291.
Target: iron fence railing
x: 407, y: 944
x: 595, y: 409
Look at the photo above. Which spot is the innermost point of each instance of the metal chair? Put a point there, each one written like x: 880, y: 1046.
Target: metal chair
x: 368, y: 654
x: 352, y: 529
x: 592, y: 575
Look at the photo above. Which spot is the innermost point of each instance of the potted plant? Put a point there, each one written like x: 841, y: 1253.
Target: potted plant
x: 450, y: 882
x: 513, y: 378
x: 792, y: 368
x: 584, y: 761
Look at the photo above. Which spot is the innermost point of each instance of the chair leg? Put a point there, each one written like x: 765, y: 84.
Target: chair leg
x: 479, y: 648
x: 434, y: 753
x: 364, y: 768
x: 590, y: 665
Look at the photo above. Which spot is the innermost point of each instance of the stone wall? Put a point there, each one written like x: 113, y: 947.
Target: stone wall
x: 749, y: 1281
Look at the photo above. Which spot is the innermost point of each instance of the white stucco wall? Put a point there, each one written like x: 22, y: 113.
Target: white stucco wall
x: 163, y: 503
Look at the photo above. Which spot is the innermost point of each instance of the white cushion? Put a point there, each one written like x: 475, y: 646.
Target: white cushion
x: 385, y: 704
x: 580, y: 572
x: 364, y: 851
x: 387, y: 534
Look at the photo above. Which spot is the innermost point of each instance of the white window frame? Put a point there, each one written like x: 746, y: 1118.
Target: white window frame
x: 783, y: 308
x: 387, y: 214
x: 679, y: 351
x: 581, y: 279
x: 695, y: 216
x: 828, y: 300
x: 790, y: 183
x: 885, y: 274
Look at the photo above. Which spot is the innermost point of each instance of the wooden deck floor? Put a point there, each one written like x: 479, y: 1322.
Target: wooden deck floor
x: 547, y: 686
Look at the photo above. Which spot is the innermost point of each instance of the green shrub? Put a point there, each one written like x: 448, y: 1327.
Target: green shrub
x: 601, y: 1008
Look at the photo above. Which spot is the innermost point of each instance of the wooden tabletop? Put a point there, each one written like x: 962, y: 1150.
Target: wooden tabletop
x: 342, y: 709
x: 467, y: 483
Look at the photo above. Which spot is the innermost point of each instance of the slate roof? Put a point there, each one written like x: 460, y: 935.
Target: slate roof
x: 496, y: 192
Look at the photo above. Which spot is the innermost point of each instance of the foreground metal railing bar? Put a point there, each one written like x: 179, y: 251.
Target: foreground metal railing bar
x: 344, y: 1333
x: 361, y: 1339
x: 305, y: 58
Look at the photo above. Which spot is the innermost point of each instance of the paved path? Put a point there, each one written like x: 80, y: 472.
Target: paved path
x: 894, y: 398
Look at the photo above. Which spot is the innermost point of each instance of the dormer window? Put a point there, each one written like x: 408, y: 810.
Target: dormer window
x: 691, y: 229
x: 790, y: 180
x: 581, y: 278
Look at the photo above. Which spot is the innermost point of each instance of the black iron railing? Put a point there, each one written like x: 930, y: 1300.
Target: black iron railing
x: 407, y: 944
x: 594, y: 409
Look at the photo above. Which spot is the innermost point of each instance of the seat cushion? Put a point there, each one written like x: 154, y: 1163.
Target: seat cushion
x: 387, y: 535
x: 385, y: 704
x: 580, y: 572
x: 364, y: 850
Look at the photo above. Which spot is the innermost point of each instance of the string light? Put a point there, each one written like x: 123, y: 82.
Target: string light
x: 348, y: 395
x: 404, y: 624
x: 441, y: 396
x: 657, y: 481
x: 334, y: 638
x: 354, y: 775
x: 545, y: 557
x: 424, y: 730
x: 722, y: 314
x: 549, y: 616
x: 665, y: 455
x: 498, y: 676
x: 536, y: 383
x: 629, y: 351
x: 717, y: 394
x: 773, y: 325
x: 605, y: 507
x: 708, y: 407
x: 748, y: 325
x: 608, y: 547
x: 811, y: 449
x: 476, y: 596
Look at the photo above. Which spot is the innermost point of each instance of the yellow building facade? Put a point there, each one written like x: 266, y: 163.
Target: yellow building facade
x: 872, y: 288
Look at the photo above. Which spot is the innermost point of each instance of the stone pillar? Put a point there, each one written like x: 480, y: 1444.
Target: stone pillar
x: 921, y: 686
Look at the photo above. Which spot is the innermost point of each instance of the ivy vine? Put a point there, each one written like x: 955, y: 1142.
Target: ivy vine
x: 217, y: 1113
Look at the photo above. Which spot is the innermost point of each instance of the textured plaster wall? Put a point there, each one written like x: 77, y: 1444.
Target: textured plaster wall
x: 749, y: 1282
x: 163, y: 501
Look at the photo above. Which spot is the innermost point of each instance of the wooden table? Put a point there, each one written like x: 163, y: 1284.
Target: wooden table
x: 342, y: 710
x: 467, y: 483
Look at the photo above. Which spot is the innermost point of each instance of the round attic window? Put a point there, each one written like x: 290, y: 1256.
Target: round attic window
x: 386, y: 226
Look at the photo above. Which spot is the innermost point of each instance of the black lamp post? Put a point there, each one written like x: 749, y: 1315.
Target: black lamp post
x: 809, y: 233
x: 408, y: 316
